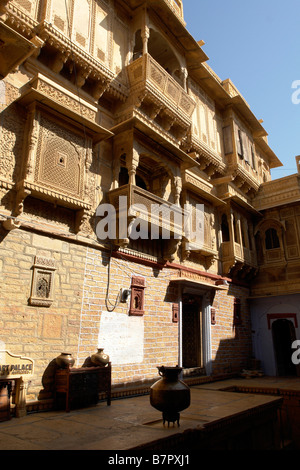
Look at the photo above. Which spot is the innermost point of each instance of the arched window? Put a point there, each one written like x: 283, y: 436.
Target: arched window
x: 271, y: 240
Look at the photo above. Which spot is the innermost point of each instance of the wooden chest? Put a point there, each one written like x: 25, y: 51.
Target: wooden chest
x: 80, y: 387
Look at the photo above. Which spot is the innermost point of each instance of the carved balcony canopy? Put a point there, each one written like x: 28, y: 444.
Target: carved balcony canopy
x: 159, y: 96
x: 48, y: 41
x: 43, y: 90
x: 203, y: 188
x: 167, y: 7
x: 14, y: 49
x: 63, y: 51
x: 209, y: 161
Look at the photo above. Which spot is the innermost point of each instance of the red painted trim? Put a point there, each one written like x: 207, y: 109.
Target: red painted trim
x: 276, y: 316
x: 167, y: 264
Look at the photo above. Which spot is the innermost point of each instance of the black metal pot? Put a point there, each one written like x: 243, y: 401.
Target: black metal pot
x: 169, y: 394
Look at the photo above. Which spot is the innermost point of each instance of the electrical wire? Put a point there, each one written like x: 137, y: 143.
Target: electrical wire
x: 112, y: 306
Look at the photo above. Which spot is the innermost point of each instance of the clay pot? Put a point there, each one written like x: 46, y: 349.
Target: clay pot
x: 100, y: 358
x: 169, y: 394
x: 65, y: 360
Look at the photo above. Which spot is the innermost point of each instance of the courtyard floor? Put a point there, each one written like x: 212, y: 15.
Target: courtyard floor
x: 132, y: 423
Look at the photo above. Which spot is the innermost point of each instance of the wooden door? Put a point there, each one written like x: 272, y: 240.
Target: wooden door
x: 191, y: 335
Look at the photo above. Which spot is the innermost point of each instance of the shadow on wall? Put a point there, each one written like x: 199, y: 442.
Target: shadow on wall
x: 232, y: 354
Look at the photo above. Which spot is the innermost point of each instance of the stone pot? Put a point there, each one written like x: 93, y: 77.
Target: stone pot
x: 100, y: 358
x: 169, y: 394
x: 65, y: 360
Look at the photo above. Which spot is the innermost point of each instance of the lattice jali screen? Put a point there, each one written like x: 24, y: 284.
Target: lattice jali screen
x: 60, y: 159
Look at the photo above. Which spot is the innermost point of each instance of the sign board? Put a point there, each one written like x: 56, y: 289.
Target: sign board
x: 15, y: 367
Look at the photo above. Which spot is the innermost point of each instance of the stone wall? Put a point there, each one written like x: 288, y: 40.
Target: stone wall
x: 39, y: 332
x: 85, y: 313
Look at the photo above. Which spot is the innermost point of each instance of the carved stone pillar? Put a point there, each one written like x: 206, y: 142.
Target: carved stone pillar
x: 231, y: 227
x: 145, y: 33
x: 184, y: 74
x: 33, y: 125
x: 132, y: 162
x: 239, y: 228
x: 206, y: 336
x: 178, y: 189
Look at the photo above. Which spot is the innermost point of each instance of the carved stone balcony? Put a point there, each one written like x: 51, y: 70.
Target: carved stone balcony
x: 159, y: 96
x: 155, y: 214
x: 238, y: 259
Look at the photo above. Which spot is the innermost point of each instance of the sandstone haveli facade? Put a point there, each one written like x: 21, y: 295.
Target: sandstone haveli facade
x: 102, y: 99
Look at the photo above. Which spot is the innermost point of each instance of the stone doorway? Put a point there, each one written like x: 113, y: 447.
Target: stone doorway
x: 283, y: 332
x: 191, y: 332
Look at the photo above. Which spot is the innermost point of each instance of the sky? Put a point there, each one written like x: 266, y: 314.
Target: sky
x: 257, y: 45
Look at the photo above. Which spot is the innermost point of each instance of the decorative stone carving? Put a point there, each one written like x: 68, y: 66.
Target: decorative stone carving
x: 42, y: 282
x: 137, y: 296
x: 175, y: 313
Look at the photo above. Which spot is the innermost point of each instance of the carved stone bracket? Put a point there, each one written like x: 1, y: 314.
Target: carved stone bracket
x: 11, y: 224
x: 22, y: 193
x: 171, y: 249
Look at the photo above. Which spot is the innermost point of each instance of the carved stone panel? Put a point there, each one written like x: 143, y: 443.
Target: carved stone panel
x: 56, y: 167
x: 175, y: 313
x: 42, y: 282
x: 60, y: 162
x: 137, y: 296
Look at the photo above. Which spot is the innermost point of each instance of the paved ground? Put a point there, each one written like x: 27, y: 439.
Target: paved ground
x: 129, y: 422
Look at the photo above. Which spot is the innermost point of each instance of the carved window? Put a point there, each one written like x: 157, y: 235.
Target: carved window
x: 137, y: 296
x: 253, y: 158
x: 42, y: 282
x: 271, y: 240
x: 240, y: 145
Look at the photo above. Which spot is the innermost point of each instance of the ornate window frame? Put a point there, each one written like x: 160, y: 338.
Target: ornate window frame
x: 137, y: 296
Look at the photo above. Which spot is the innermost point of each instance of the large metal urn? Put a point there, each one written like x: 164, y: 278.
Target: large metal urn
x: 169, y: 394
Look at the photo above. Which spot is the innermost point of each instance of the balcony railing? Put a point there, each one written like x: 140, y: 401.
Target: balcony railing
x: 139, y: 203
